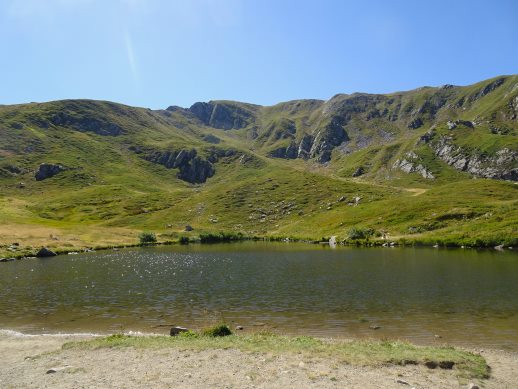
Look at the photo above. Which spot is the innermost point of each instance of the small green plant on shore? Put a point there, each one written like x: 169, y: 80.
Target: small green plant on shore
x: 218, y: 330
x: 356, y: 233
x: 147, y: 238
x: 220, y: 237
x: 183, y: 240
x: 188, y: 334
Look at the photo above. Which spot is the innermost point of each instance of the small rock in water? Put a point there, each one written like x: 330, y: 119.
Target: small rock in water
x: 437, y: 336
x: 374, y: 327
x: 239, y: 327
x: 176, y: 330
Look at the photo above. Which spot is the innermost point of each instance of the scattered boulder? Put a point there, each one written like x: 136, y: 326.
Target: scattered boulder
x: 240, y: 328
x: 188, y: 228
x: 402, y: 382
x: 45, y: 252
x: 47, y: 170
x: 359, y: 172
x: 471, y: 385
x: 6, y: 259
x: 431, y: 364
x: 374, y: 327
x: 176, y: 330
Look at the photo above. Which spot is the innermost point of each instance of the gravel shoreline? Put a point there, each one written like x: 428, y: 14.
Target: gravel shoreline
x: 38, y: 361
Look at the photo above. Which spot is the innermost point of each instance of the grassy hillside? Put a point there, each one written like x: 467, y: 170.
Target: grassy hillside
x: 409, y: 166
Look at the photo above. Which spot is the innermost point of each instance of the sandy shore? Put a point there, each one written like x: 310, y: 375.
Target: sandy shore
x: 27, y: 359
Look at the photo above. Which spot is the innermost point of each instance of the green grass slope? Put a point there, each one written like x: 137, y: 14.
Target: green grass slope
x: 111, y: 190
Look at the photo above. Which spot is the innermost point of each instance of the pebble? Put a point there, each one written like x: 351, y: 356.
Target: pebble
x: 402, y: 382
x: 302, y: 364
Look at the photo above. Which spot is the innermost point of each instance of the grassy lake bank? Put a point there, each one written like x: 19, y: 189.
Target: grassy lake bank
x: 250, y: 360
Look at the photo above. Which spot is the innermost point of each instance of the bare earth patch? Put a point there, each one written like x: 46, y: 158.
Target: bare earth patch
x: 26, y: 362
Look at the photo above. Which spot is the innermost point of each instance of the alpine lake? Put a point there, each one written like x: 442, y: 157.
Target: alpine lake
x: 463, y: 297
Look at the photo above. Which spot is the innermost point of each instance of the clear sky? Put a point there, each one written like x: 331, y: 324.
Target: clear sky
x: 156, y: 53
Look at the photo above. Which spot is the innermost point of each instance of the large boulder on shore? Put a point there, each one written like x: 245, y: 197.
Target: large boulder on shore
x: 45, y: 252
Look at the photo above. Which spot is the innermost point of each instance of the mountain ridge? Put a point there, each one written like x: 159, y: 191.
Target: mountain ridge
x: 113, y: 167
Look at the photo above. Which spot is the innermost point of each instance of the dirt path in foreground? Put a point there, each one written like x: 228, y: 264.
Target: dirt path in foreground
x: 26, y: 360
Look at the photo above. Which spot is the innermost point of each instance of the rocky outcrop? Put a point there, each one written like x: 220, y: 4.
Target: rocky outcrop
x: 192, y: 167
x: 326, y: 139
x: 305, y: 146
x: 411, y: 163
x: 222, y: 115
x: 501, y: 165
x: 86, y: 124
x: 196, y: 170
x: 416, y: 123
x: 487, y: 89
x: 455, y: 123
x: 47, y: 170
x: 289, y: 152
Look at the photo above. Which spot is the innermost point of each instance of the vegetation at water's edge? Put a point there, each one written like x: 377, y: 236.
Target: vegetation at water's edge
x: 361, y: 352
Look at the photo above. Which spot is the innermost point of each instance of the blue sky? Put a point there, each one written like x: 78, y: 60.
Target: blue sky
x: 156, y: 53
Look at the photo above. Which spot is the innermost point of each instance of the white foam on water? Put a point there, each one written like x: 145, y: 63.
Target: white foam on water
x: 13, y: 333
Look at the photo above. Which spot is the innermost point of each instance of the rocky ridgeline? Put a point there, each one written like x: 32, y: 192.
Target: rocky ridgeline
x: 226, y: 116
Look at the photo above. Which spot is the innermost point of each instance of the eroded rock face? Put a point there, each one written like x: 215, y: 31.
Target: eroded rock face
x: 326, y: 140
x: 86, y: 124
x: 502, y: 165
x: 411, y: 163
x: 487, y: 89
x: 47, y: 170
x: 221, y: 115
x: 192, y: 167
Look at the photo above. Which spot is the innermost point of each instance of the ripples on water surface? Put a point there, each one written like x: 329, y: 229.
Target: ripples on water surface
x: 467, y: 297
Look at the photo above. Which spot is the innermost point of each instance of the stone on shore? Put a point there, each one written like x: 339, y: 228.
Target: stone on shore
x: 176, y: 330
x: 45, y: 252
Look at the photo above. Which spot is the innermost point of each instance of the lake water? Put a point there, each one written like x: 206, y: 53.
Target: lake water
x: 463, y: 297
